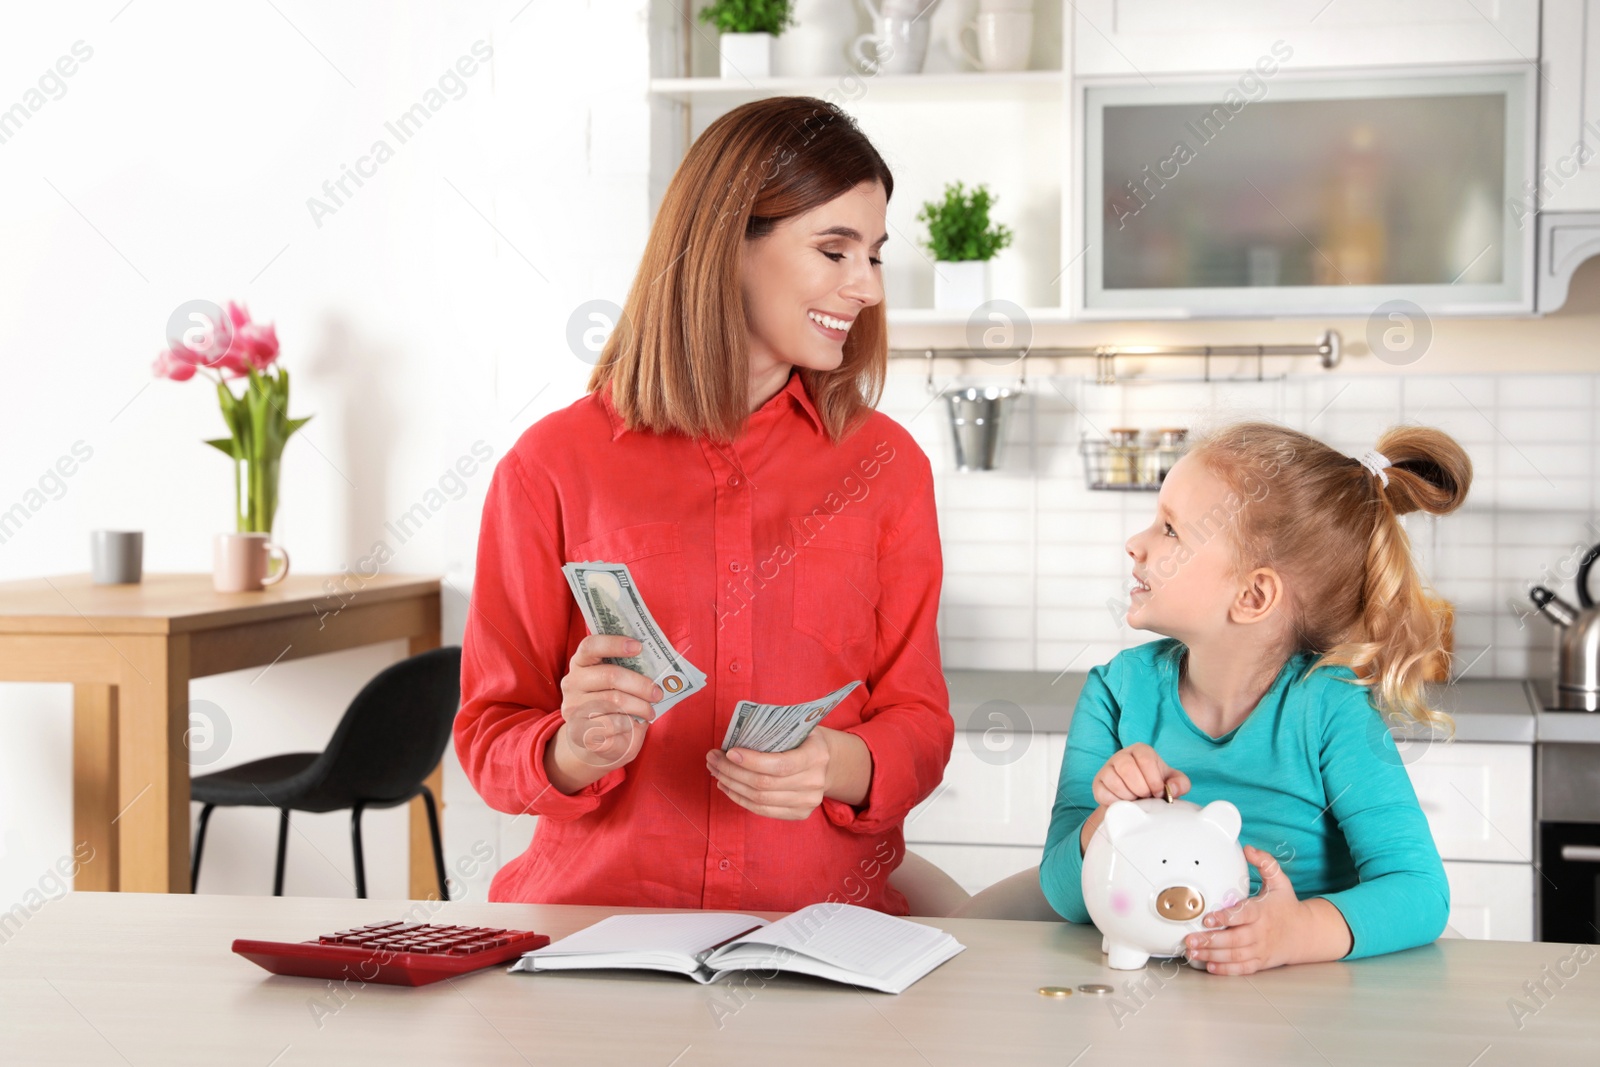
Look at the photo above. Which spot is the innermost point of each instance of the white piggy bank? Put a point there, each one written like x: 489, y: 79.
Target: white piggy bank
x: 1154, y: 869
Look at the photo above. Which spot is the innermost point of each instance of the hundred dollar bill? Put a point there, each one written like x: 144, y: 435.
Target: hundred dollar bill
x: 611, y: 604
x: 778, y: 727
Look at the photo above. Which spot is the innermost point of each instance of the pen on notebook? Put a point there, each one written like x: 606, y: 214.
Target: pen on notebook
x: 706, y: 952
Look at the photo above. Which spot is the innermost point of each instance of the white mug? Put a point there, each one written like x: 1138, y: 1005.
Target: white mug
x: 1004, y: 39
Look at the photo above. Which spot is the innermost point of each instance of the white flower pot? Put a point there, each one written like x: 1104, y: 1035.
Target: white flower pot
x: 814, y: 46
x: 960, y: 285
x: 746, y: 55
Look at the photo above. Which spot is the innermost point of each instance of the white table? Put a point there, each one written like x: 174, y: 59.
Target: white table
x: 128, y: 978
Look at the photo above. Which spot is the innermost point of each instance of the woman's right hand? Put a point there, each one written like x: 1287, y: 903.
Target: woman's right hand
x: 1135, y: 772
x: 605, y: 709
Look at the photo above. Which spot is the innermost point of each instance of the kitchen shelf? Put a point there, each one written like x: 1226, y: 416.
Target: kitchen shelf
x: 1004, y: 129
x: 931, y: 87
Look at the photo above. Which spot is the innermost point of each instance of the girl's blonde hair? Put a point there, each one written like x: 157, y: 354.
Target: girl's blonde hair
x: 1331, y: 527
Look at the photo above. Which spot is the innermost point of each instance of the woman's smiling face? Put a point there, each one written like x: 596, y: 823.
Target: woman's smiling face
x: 805, y: 282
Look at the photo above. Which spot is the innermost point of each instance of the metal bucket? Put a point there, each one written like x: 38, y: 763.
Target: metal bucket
x: 978, y: 426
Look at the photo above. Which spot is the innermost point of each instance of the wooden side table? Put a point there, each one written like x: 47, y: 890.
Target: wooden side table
x: 129, y: 652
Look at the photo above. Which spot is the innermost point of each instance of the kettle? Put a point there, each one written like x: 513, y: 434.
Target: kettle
x: 1578, y: 655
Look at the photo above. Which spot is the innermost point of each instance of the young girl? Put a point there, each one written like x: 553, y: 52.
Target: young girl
x: 1279, y: 572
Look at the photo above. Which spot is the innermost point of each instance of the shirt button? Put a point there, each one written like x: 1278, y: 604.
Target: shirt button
x: 734, y: 566
x: 734, y: 666
x: 733, y: 479
x: 724, y: 865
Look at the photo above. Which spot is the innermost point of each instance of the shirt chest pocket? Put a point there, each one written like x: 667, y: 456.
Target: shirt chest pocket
x: 836, y: 580
x: 653, y: 553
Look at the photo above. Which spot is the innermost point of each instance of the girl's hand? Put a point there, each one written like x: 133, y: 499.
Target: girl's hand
x: 1136, y: 772
x: 1269, y: 930
x: 606, y: 707
x: 780, y: 785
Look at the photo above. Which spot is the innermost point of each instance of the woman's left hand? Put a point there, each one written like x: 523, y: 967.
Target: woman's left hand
x: 780, y: 785
x: 1266, y: 931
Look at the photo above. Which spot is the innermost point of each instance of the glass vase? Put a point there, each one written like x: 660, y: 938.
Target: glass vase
x: 255, y: 486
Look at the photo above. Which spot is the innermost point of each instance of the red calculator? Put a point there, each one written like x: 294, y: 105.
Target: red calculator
x: 393, y: 953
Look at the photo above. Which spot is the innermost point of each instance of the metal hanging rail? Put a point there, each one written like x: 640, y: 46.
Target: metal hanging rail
x: 1329, y: 350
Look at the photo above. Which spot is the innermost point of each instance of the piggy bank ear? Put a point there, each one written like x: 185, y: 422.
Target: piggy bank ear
x: 1221, y: 814
x: 1123, y: 816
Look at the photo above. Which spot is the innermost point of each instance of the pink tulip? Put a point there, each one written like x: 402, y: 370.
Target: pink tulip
x: 231, y: 363
x: 248, y: 346
x: 257, y: 345
x: 169, y: 364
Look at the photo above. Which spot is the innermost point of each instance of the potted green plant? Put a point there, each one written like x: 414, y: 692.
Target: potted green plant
x: 963, y: 241
x: 748, y: 28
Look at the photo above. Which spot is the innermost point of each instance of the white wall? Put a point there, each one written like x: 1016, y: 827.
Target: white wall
x: 431, y: 309
x: 426, y: 313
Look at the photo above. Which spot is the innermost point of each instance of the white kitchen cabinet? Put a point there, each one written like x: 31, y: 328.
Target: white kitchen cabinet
x: 1347, y: 192
x: 997, y: 798
x: 1491, y: 900
x: 1056, y: 745
x: 1569, y: 105
x: 1478, y: 799
x: 977, y: 867
x: 1147, y: 37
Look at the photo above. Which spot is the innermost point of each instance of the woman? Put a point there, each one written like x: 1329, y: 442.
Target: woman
x: 781, y: 532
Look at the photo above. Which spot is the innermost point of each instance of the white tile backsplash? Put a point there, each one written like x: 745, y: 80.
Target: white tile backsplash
x: 1032, y: 557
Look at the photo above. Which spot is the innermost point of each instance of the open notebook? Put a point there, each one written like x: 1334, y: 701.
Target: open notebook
x: 840, y: 942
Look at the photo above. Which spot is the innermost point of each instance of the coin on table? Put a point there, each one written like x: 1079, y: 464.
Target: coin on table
x: 1055, y: 991
x: 1096, y: 988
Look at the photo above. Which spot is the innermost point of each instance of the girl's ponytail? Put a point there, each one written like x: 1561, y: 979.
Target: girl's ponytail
x: 1401, y: 627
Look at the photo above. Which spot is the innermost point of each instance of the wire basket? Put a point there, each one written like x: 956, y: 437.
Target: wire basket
x: 1125, y: 467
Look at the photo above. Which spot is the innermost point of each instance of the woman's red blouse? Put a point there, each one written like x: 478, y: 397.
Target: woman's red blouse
x: 783, y: 567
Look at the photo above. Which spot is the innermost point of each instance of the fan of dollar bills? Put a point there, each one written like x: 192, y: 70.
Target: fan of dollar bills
x: 611, y: 604
x: 778, y: 727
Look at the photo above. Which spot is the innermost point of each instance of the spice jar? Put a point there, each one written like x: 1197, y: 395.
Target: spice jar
x: 1122, y: 466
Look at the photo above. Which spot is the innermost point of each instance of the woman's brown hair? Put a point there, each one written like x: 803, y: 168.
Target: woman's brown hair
x: 679, y: 359
x: 1331, y: 526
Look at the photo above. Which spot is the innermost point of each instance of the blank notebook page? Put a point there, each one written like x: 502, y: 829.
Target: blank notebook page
x: 680, y: 934
x: 856, y: 939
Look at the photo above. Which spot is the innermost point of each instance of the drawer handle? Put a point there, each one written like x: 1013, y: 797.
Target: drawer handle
x: 1581, y: 853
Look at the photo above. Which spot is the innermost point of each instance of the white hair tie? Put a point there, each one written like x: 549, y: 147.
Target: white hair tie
x: 1375, y: 462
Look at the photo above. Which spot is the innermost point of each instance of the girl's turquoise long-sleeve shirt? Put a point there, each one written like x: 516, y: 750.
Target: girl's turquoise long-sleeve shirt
x: 1312, y: 769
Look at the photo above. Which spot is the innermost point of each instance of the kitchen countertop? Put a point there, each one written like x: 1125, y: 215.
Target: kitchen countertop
x: 148, y: 978
x: 1485, y: 710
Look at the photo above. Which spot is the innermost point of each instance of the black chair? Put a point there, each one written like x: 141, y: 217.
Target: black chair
x: 391, y: 737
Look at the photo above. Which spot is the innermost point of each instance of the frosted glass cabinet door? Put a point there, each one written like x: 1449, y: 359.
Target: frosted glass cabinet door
x: 1308, y: 196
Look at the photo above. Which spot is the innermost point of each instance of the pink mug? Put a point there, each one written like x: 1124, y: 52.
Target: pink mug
x: 240, y: 562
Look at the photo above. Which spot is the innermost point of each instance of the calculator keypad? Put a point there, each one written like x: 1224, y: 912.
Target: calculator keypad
x: 424, y: 938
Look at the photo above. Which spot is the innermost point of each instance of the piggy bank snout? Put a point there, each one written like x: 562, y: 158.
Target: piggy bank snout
x: 1180, y: 903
